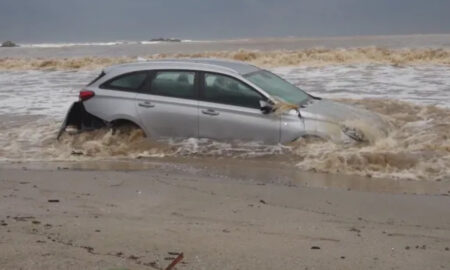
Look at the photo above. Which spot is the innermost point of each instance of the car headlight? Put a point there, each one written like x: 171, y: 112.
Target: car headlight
x: 354, y: 134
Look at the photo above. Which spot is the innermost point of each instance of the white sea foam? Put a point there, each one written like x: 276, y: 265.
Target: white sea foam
x: 425, y: 84
x: 109, y: 43
x: 40, y: 93
x: 68, y: 44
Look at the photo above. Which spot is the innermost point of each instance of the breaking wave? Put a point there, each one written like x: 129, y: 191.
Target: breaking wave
x: 417, y: 147
x: 305, y: 57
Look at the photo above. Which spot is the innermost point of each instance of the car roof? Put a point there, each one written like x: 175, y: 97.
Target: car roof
x: 205, y: 64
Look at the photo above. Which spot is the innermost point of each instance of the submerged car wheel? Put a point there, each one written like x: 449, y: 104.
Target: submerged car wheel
x: 125, y: 126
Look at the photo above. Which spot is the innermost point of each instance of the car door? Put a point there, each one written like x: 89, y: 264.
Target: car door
x: 168, y: 105
x: 229, y: 110
x: 116, y: 98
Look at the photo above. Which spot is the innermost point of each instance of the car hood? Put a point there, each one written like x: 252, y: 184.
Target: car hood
x: 343, y: 115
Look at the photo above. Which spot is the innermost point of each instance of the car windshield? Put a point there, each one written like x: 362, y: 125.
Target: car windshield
x: 277, y: 87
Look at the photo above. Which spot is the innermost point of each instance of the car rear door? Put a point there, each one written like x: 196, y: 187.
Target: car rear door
x: 116, y: 98
x: 168, y: 105
x: 229, y: 110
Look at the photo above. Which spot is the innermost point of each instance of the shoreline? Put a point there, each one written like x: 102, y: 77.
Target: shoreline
x: 242, y: 39
x: 282, y: 172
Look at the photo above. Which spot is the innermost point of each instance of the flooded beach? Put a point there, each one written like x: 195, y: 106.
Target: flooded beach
x: 402, y: 78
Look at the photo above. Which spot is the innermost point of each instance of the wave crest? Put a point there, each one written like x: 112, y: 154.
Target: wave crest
x: 306, y: 57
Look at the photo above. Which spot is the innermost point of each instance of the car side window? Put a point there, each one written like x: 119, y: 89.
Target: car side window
x: 180, y: 84
x: 132, y: 81
x: 227, y: 90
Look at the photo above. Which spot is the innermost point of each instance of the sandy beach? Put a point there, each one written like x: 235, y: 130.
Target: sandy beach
x: 68, y: 218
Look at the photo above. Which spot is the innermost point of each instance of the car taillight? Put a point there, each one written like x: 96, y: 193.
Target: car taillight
x: 85, y: 95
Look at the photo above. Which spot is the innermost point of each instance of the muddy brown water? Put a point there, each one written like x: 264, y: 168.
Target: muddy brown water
x: 403, y: 78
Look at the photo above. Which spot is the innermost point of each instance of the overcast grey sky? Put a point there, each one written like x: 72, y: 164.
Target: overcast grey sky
x: 103, y: 20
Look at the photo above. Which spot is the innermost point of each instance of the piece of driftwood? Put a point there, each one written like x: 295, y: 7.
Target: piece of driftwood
x: 175, y: 261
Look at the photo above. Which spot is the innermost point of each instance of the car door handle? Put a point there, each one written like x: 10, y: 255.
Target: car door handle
x: 210, y: 112
x: 146, y: 104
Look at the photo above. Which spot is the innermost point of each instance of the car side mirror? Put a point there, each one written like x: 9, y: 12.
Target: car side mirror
x: 265, y: 107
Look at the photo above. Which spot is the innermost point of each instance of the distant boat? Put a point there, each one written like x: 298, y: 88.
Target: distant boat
x: 166, y: 39
x: 8, y: 44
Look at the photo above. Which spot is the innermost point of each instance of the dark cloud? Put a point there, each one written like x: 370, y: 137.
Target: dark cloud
x: 95, y: 20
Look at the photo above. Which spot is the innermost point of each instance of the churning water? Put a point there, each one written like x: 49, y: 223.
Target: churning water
x: 414, y: 99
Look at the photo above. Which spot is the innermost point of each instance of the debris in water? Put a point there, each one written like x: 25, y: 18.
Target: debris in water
x: 281, y: 107
x: 77, y: 153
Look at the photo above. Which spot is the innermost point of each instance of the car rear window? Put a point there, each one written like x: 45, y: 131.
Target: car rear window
x: 173, y: 84
x: 131, y: 81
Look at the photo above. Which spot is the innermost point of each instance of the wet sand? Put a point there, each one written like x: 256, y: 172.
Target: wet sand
x: 69, y: 218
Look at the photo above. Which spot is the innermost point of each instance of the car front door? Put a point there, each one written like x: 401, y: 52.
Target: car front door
x: 229, y: 109
x: 168, y: 105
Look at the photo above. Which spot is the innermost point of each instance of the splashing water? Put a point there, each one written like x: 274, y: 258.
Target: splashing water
x: 418, y: 146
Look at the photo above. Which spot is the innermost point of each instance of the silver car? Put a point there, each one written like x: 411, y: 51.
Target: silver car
x: 217, y: 99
